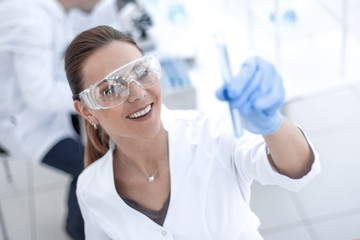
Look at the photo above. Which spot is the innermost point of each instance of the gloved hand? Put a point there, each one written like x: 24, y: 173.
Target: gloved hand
x: 257, y: 92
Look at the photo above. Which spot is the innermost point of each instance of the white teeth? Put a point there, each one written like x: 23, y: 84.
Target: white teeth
x: 141, y: 113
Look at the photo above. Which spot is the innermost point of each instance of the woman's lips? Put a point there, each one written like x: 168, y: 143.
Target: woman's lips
x: 141, y: 114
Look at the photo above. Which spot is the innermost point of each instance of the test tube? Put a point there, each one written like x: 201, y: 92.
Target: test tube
x: 226, y: 73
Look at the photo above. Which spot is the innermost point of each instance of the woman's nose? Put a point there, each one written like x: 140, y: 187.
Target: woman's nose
x: 137, y: 92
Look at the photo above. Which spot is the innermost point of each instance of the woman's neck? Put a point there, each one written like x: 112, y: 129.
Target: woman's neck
x: 143, y: 154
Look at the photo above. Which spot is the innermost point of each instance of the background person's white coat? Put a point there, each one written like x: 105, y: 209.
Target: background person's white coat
x: 35, y: 99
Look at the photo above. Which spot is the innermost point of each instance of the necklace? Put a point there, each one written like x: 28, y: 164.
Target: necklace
x: 150, y: 178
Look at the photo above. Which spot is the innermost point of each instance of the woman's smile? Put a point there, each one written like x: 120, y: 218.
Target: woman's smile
x: 141, y: 114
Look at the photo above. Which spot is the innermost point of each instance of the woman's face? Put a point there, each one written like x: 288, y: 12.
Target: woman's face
x: 122, y: 121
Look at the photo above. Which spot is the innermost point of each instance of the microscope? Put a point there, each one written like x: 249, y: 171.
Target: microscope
x: 135, y: 21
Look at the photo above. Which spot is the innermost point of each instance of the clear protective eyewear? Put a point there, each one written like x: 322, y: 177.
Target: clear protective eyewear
x: 114, y: 89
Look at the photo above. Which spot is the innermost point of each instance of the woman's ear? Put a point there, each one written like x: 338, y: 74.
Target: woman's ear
x: 82, y: 109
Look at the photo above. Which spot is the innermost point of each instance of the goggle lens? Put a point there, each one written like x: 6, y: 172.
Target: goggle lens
x: 114, y: 89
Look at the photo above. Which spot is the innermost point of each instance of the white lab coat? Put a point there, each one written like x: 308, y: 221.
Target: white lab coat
x: 211, y: 173
x: 35, y: 99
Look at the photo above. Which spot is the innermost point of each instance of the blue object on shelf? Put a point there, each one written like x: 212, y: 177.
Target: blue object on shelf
x: 289, y: 16
x: 175, y: 74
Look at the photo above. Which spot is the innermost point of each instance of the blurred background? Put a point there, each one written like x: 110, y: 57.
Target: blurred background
x: 314, y: 44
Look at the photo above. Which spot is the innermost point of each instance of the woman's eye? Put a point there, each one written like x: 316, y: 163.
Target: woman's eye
x: 108, y: 91
x: 143, y: 74
x: 111, y: 90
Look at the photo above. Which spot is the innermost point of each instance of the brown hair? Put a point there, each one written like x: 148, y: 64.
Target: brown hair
x: 79, y: 50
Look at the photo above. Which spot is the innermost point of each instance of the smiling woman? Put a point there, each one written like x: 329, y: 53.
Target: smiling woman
x: 97, y: 138
x: 138, y: 151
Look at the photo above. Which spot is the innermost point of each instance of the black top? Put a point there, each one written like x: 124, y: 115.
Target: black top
x: 156, y: 216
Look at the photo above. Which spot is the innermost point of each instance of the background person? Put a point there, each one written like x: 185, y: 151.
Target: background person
x: 35, y: 103
x: 152, y: 172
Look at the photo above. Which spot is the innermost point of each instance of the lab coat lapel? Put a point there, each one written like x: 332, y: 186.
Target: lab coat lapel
x: 118, y: 211
x: 182, y: 145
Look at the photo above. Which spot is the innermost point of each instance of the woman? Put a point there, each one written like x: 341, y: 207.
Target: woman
x: 154, y: 173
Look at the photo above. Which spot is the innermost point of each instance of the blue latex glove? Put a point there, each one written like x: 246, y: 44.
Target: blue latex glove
x: 257, y: 92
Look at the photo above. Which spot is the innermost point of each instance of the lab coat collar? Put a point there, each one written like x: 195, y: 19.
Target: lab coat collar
x: 167, y: 118
x: 117, y: 208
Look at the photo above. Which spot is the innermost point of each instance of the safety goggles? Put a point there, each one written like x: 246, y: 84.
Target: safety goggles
x: 114, y: 89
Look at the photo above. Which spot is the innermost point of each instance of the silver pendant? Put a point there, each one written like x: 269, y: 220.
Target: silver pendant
x: 151, y: 178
